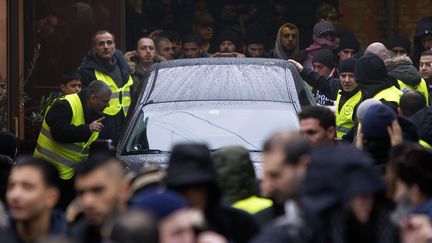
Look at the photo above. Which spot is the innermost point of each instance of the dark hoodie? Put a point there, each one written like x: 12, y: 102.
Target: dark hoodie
x: 119, y: 71
x: 402, y: 69
x: 336, y: 174
x: 424, y: 27
x: 371, y: 75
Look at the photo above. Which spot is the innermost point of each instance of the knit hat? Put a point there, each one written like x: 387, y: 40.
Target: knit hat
x: 364, y: 106
x: 347, y: 66
x: 349, y: 42
x: 325, y: 57
x: 229, y: 35
x: 190, y: 164
x: 202, y: 19
x: 159, y: 204
x: 323, y: 27
x: 376, y: 120
x: 400, y: 41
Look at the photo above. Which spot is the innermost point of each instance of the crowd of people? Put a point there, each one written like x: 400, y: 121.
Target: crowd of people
x: 358, y: 169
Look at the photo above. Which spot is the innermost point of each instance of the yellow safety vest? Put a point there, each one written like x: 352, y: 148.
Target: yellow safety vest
x: 391, y: 94
x: 421, y: 87
x: 116, y: 103
x: 424, y: 144
x: 344, y: 121
x: 64, y: 156
x: 253, y: 204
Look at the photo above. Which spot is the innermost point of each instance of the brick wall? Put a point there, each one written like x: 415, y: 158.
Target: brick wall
x: 371, y: 21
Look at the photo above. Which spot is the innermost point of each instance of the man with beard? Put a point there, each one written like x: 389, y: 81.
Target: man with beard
x: 287, y: 42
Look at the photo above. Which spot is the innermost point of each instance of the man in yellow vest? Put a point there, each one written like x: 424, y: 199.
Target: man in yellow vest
x: 104, y: 62
x: 344, y: 90
x: 371, y: 75
x: 70, y: 125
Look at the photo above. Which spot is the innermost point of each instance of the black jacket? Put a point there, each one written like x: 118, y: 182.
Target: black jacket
x: 83, y: 232
x: 91, y: 62
x: 59, y: 119
x: 423, y: 122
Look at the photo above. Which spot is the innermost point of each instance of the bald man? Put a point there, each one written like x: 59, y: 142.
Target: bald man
x: 378, y: 49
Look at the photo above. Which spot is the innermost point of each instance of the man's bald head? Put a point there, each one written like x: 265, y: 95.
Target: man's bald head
x: 378, y: 49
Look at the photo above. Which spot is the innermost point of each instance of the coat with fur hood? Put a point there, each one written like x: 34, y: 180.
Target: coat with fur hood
x: 402, y: 69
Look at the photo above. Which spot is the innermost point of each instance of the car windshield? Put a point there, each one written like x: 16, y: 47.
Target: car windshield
x: 215, y: 123
x: 223, y: 82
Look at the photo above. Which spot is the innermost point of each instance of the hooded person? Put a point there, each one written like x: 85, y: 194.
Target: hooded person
x: 191, y: 173
x: 342, y: 198
x: 422, y: 39
x: 287, y: 42
x: 237, y: 181
x: 371, y: 75
x: 400, y: 46
x: 324, y: 35
x: 408, y: 77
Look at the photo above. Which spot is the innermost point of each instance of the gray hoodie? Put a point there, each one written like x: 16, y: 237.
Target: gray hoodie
x: 279, y: 51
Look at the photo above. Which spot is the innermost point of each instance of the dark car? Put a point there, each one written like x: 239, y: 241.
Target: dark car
x: 217, y: 101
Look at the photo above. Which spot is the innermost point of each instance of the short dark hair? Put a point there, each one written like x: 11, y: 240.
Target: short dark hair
x: 294, y: 146
x: 97, y: 87
x: 324, y: 115
x: 427, y: 53
x: 295, y: 149
x: 192, y: 37
x: 100, y: 32
x: 411, y: 102
x: 159, y: 40
x: 416, y: 169
x: 69, y: 76
x: 8, y: 144
x: 49, y: 172
x: 96, y: 161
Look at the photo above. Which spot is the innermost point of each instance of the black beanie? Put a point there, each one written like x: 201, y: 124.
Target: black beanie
x: 401, y: 42
x: 349, y: 42
x: 229, y: 35
x: 325, y: 57
x: 347, y: 66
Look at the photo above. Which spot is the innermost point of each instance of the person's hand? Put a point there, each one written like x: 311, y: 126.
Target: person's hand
x: 416, y: 229
x: 238, y: 55
x: 297, y: 65
x: 153, y: 35
x: 96, y: 126
x: 395, y: 133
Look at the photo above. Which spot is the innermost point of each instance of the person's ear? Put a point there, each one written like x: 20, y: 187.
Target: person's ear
x: 331, y: 132
x: 63, y: 88
x: 53, y: 195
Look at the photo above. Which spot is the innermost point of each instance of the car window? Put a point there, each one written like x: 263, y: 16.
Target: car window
x: 215, y: 123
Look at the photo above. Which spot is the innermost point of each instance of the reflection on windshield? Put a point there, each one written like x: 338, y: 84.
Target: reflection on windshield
x: 217, y: 124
